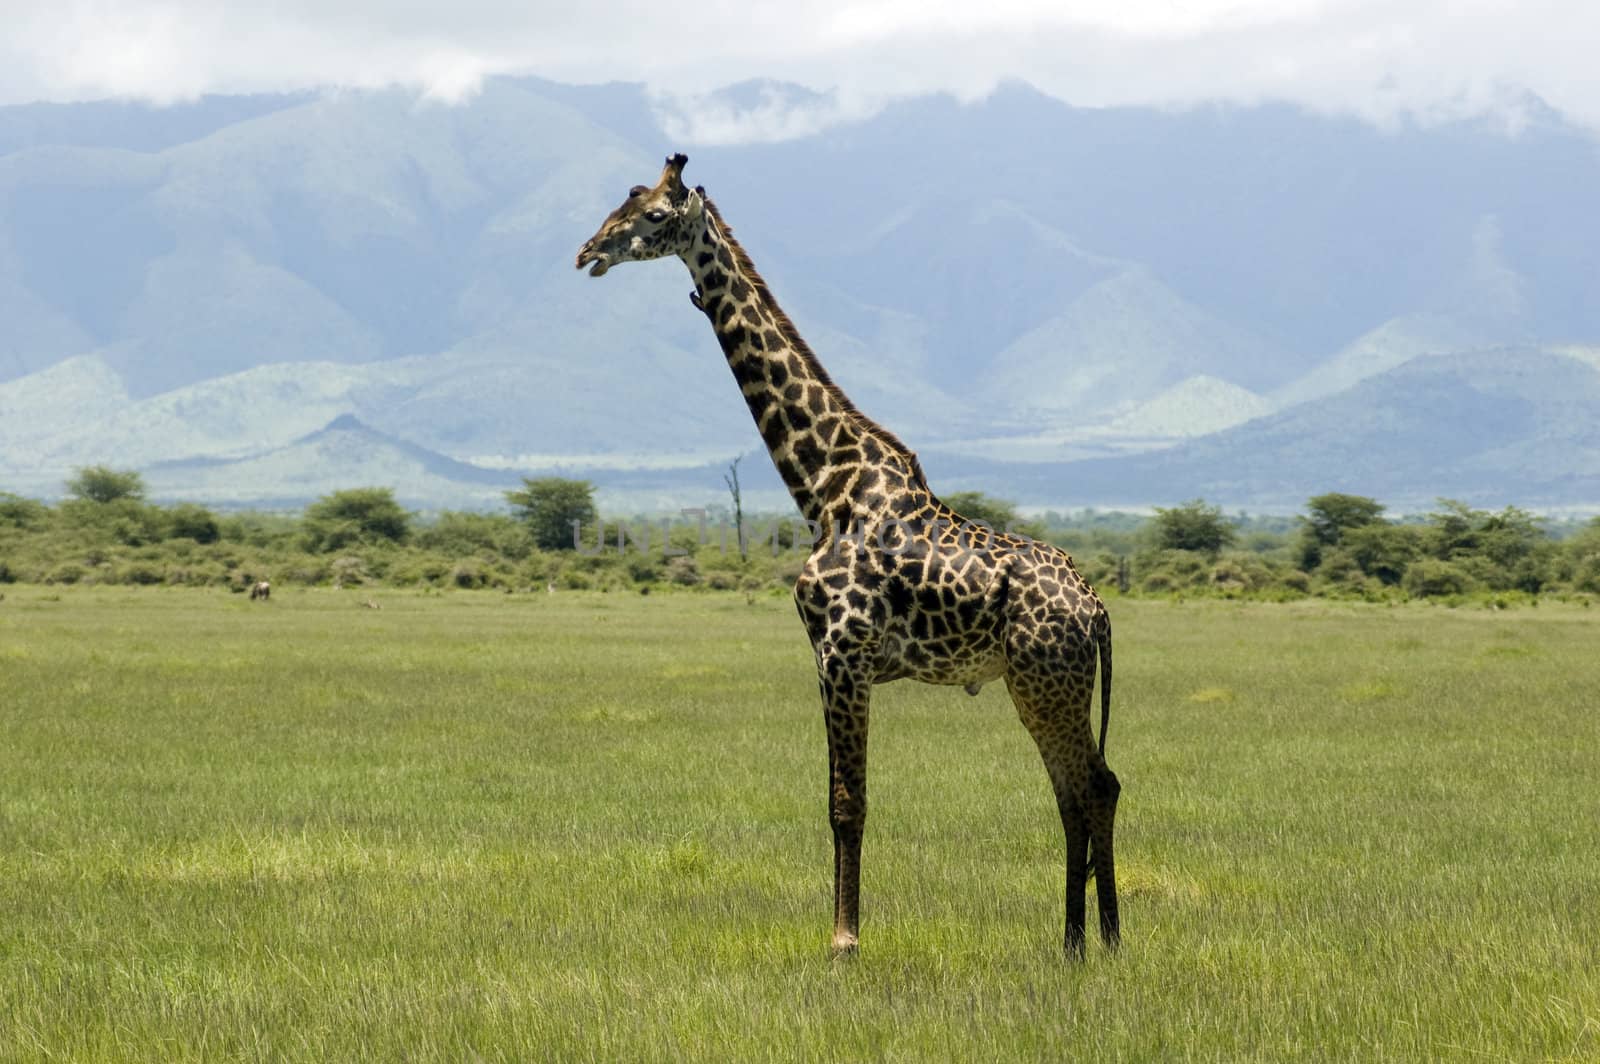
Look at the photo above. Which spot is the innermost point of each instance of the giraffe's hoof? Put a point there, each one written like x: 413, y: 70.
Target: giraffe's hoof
x: 844, y: 944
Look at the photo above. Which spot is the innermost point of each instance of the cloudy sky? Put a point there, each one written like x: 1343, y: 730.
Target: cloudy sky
x: 1378, y: 58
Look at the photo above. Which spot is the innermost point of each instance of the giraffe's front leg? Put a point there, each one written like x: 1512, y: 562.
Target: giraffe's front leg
x: 846, y: 694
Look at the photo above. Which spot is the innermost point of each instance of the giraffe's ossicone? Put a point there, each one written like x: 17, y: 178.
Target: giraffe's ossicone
x: 899, y: 585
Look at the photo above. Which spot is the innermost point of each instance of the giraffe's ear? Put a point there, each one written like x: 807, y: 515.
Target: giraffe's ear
x: 693, y: 204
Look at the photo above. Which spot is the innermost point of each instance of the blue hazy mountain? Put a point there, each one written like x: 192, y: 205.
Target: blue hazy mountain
x: 1488, y: 427
x: 1014, y: 285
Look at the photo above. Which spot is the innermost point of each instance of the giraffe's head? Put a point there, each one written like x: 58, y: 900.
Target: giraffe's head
x: 651, y: 223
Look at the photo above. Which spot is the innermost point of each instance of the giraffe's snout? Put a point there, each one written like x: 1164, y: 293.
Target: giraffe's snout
x: 588, y: 254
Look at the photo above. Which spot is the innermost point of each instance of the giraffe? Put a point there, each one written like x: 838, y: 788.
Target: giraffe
x: 898, y: 584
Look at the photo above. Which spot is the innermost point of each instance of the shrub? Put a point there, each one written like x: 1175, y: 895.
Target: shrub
x: 1295, y: 580
x: 428, y: 570
x: 1229, y: 575
x: 684, y: 571
x: 1242, y: 572
x: 66, y: 573
x: 1587, y: 575
x: 1100, y: 569
x: 1340, y: 568
x: 787, y: 570
x: 1434, y: 578
x: 348, y: 571
x: 126, y: 521
x: 458, y: 534
x: 142, y: 573
x: 1170, y: 570
x: 197, y: 575
x: 18, y: 512
x: 467, y: 574
x: 305, y: 572
x: 1158, y: 583
x: 1481, y: 572
x: 1531, y: 574
x: 189, y: 521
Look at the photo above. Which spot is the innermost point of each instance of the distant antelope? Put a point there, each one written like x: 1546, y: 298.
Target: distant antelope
x: 260, y: 590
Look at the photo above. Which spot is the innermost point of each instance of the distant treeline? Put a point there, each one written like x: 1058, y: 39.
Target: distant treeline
x: 552, y: 538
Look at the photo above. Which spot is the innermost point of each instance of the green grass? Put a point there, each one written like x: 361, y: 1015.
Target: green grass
x: 588, y: 826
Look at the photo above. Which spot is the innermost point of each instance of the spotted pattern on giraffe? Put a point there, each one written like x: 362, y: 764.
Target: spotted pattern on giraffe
x: 899, y: 586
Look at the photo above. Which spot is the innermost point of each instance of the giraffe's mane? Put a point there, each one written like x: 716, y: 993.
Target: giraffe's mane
x: 791, y: 334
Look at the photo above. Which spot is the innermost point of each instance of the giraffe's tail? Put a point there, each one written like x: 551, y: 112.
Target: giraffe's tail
x: 1102, y: 638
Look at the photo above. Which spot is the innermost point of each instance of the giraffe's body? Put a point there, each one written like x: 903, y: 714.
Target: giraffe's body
x: 899, y: 585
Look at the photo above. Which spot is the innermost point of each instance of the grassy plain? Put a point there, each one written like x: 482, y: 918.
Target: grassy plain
x: 591, y: 827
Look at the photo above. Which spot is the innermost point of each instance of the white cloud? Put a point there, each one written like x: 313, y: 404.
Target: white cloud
x: 710, y: 118
x: 1370, y: 57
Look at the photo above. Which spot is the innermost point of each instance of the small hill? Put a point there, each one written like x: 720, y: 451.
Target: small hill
x: 344, y: 454
x: 1198, y: 406
x: 1123, y: 341
x: 1465, y: 426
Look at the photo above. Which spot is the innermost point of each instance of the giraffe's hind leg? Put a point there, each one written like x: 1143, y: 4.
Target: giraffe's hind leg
x: 1102, y: 817
x: 1057, y: 716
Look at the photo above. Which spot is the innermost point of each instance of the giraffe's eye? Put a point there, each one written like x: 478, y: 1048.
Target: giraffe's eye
x: 656, y: 215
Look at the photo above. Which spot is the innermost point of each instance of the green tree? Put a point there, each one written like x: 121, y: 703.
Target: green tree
x: 1328, y: 518
x: 999, y: 514
x: 1509, y: 537
x: 1193, y: 526
x: 1506, y: 549
x: 108, y: 505
x: 550, y: 505
x: 102, y: 484
x: 1382, y: 550
x: 359, y: 515
x: 1583, y: 557
x: 1453, y: 529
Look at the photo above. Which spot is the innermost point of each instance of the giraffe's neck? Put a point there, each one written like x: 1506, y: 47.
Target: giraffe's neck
x: 834, y: 460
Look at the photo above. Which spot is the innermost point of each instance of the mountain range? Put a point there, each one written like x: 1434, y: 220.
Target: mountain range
x: 256, y: 300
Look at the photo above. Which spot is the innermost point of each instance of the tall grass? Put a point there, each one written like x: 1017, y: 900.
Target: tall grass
x: 592, y: 827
